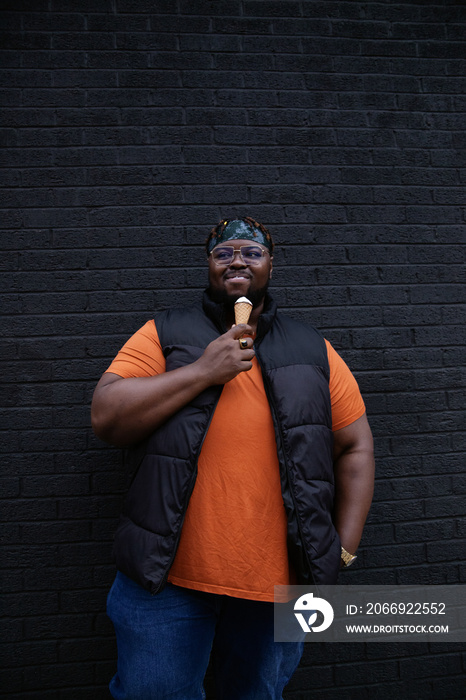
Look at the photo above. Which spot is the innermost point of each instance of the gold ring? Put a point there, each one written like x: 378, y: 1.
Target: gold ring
x: 243, y: 343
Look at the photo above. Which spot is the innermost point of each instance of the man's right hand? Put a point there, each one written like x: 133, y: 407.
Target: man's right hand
x: 125, y: 411
x: 223, y: 359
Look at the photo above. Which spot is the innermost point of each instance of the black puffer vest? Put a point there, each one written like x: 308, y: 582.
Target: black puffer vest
x: 295, y: 370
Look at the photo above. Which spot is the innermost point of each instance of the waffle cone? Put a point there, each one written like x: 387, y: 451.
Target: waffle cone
x: 242, y: 312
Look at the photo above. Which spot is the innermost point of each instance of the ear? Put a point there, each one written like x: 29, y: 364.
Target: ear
x: 271, y: 267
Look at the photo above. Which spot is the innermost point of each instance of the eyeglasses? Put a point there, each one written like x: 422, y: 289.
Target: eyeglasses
x: 249, y: 254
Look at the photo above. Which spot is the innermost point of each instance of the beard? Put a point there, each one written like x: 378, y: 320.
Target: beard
x: 255, y: 296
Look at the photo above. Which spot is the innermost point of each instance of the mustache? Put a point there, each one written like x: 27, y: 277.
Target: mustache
x: 229, y: 275
x: 255, y: 296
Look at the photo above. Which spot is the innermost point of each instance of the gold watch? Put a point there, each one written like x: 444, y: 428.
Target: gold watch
x: 346, y: 558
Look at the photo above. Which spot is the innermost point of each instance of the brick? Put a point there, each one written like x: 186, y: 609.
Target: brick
x: 115, y: 60
x: 302, y: 679
x: 436, y: 551
x: 360, y: 28
x: 360, y: 673
x: 452, y: 357
x: 49, y: 486
x: 412, y: 316
x: 427, y: 294
x: 133, y: 7
x: 96, y: 692
x: 83, y: 649
x: 451, y: 687
x: 378, y: 534
x: 431, y: 336
x: 289, y: 8
x: 80, y: 5
x: 196, y: 24
x: 446, y: 378
x: 219, y: 43
x: 11, y: 680
x: 10, y: 487
x: 18, y: 654
x: 446, y: 422
x: 70, y: 508
x: 425, y: 487
x: 442, y: 665
x: 26, y: 41
x: 61, y: 555
x: 440, y: 508
x: 438, y: 464
x: 391, y: 512
x: 222, y: 8
x: 57, y: 675
x: 239, y: 25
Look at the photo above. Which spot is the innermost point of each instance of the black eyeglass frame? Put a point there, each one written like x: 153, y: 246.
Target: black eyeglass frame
x: 233, y: 250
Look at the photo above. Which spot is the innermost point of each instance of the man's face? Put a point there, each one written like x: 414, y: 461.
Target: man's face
x: 237, y: 279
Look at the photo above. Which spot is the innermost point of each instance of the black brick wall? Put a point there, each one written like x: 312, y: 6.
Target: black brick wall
x: 129, y: 127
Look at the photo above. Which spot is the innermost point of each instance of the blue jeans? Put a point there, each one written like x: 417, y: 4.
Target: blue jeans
x: 165, y: 642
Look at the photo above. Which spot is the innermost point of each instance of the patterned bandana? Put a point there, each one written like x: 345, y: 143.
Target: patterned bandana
x: 247, y: 229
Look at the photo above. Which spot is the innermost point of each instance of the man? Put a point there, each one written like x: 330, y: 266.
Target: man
x: 253, y: 466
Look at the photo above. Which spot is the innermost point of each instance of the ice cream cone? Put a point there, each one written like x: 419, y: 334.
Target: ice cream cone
x: 243, y: 308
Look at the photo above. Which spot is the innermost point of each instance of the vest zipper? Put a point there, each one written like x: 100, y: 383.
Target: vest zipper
x: 163, y: 582
x: 285, y: 461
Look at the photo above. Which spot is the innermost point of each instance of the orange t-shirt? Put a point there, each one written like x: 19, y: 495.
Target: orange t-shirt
x: 233, y: 540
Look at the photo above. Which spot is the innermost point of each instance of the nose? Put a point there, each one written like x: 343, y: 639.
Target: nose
x: 238, y: 259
